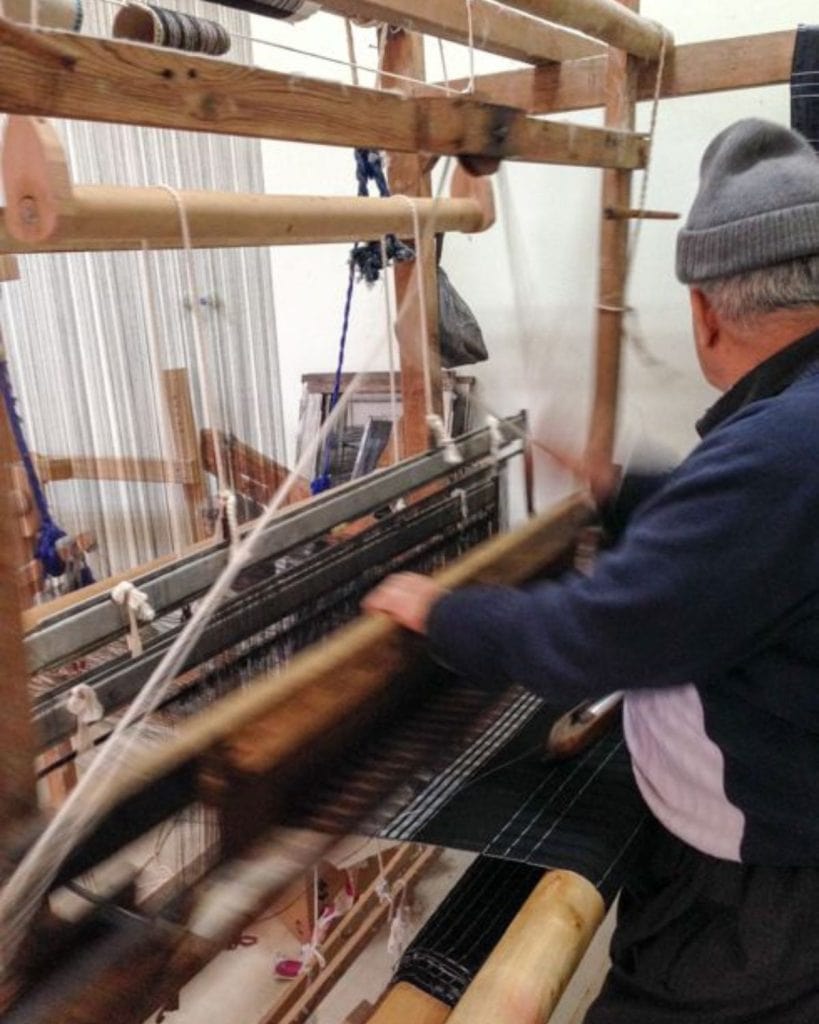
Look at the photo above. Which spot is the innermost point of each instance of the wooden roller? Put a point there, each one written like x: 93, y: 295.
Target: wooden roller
x: 45, y: 212
x: 406, y: 1004
x: 528, y: 970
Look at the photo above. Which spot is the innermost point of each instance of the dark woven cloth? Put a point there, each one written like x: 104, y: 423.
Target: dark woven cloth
x: 707, y: 941
x: 452, y: 946
x: 805, y: 84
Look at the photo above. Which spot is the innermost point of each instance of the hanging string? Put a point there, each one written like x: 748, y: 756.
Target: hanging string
x: 444, y: 72
x: 348, y: 31
x: 202, y: 356
x: 151, y: 317
x: 397, y: 443
x: 470, y: 88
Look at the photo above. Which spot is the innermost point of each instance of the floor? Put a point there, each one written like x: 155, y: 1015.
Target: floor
x: 239, y: 986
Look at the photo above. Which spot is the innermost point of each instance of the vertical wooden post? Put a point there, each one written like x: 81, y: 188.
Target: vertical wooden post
x: 404, y: 55
x: 177, y: 395
x: 18, y: 797
x: 621, y: 94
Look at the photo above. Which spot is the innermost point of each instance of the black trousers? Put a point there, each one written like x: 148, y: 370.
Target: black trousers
x: 706, y: 941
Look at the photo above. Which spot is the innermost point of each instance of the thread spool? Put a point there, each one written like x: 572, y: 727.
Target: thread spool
x: 145, y: 23
x: 62, y: 14
x: 281, y: 10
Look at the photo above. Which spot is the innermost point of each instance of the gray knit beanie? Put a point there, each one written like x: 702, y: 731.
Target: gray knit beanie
x: 757, y: 204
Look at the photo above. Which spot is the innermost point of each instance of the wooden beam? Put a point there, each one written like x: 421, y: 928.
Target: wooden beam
x: 602, y: 19
x: 526, y: 973
x: 718, y: 65
x: 408, y: 175
x: 151, y: 471
x: 18, y: 798
x: 59, y: 74
x: 494, y: 28
x: 621, y: 91
x: 179, y: 405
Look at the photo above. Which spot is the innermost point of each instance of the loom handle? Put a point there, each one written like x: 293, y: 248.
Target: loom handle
x: 582, y: 726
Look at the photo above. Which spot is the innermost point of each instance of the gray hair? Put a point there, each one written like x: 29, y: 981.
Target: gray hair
x: 783, y: 286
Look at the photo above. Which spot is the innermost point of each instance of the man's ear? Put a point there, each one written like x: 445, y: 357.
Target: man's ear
x: 705, y: 320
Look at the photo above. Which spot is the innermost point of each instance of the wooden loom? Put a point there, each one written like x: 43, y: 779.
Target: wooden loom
x: 55, y: 74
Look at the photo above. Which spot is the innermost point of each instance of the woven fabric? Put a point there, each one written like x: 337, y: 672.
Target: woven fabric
x: 805, y: 84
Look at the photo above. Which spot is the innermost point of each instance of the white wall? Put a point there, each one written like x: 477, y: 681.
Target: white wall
x: 531, y: 280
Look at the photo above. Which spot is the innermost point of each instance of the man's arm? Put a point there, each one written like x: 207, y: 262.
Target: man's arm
x: 703, y: 573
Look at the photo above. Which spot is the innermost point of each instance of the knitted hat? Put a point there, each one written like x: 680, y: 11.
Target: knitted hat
x: 757, y: 204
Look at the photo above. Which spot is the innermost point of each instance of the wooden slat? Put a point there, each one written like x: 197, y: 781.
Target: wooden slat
x: 252, y: 474
x: 179, y: 404
x: 494, y: 29
x: 352, y: 934
x: 404, y: 1003
x: 54, y: 468
x: 62, y: 75
x: 602, y: 19
x: 718, y: 65
x: 17, y: 747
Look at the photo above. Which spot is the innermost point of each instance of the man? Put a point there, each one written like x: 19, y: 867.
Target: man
x: 706, y: 611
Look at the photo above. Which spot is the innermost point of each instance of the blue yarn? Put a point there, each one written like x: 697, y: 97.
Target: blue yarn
x: 45, y: 546
x: 367, y: 258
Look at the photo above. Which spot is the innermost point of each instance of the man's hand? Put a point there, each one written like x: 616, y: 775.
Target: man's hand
x: 406, y: 597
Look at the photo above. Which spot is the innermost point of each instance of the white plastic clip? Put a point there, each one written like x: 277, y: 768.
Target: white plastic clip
x: 126, y: 595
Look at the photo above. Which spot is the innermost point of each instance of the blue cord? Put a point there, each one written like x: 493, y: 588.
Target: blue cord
x: 45, y: 547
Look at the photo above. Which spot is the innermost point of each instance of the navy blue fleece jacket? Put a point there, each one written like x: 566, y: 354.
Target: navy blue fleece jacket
x: 707, y: 611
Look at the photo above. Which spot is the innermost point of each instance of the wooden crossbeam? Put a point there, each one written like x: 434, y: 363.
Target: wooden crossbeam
x: 718, y: 65
x: 494, y: 29
x: 58, y: 74
x: 602, y: 19
x: 156, y: 471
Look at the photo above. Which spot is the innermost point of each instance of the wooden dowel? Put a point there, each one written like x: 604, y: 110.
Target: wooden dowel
x: 52, y: 469
x: 602, y: 19
x: 528, y: 970
x: 627, y: 213
x: 494, y: 29
x: 120, y: 217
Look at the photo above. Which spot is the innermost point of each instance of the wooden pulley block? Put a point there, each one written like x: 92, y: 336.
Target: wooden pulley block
x: 36, y: 179
x: 465, y: 185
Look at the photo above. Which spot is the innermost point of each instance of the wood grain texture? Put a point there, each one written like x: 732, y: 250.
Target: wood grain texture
x: 406, y: 1004
x: 17, y: 747
x: 526, y: 973
x: 64, y: 75
x: 179, y: 404
x: 620, y: 109
x: 718, y: 65
x: 603, y: 19
x: 494, y: 29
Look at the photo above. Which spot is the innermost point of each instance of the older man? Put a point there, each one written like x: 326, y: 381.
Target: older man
x: 706, y: 611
